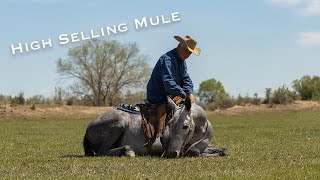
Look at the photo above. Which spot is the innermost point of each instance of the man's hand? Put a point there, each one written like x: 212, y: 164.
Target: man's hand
x: 177, y: 100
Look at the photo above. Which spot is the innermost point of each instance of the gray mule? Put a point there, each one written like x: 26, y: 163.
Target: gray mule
x: 117, y: 133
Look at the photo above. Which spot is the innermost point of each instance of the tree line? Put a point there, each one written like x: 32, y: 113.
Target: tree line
x: 212, y: 94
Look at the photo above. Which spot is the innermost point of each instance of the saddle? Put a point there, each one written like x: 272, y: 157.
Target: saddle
x: 153, y: 118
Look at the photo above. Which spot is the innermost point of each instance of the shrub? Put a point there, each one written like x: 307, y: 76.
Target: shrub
x: 36, y: 99
x: 58, y: 95
x: 211, y: 106
x: 33, y: 107
x: 223, y: 100
x: 17, y: 100
x: 70, y: 101
x: 240, y: 101
x: 256, y: 100
x: 281, y: 96
x: 3, y: 101
x: 268, y: 94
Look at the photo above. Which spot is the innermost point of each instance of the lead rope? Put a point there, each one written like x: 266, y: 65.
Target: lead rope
x: 197, y: 141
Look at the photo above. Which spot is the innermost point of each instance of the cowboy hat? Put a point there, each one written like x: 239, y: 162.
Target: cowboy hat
x: 190, y: 43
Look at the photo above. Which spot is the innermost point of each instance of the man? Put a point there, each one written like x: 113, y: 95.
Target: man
x: 170, y: 78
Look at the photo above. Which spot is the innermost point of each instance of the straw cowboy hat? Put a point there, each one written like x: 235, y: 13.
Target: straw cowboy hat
x: 190, y: 43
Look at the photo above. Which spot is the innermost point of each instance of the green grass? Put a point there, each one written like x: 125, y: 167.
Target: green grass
x: 268, y: 146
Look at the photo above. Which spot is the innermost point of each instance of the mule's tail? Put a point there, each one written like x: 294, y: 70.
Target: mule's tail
x: 88, y: 151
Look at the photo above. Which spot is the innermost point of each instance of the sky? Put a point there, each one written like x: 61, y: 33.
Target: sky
x: 247, y: 45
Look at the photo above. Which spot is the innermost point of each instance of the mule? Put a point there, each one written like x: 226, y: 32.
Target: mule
x: 117, y: 133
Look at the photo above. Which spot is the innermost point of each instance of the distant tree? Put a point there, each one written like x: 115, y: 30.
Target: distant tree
x: 210, y: 89
x: 17, y: 100
x: 3, y: 101
x: 36, y: 99
x: 101, y: 69
x: 256, y: 100
x: 58, y: 96
x: 316, y: 88
x: 308, y: 87
x: 240, y: 100
x: 21, y: 98
x: 268, y: 94
x: 134, y: 97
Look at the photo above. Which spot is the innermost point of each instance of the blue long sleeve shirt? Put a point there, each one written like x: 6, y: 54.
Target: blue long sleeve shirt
x: 169, y: 77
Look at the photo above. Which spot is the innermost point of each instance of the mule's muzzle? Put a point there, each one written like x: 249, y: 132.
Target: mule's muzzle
x: 173, y: 154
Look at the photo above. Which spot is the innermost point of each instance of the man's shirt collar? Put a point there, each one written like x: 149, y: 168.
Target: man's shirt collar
x: 175, y: 52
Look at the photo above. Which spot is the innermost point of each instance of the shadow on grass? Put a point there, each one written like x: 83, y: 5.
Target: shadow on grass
x: 72, y: 156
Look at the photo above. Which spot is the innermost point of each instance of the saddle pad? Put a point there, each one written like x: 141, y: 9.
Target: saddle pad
x: 129, y: 108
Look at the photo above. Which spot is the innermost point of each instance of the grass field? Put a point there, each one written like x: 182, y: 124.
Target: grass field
x: 281, y: 145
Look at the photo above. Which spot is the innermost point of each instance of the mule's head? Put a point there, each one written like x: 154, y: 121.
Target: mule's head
x: 181, y: 127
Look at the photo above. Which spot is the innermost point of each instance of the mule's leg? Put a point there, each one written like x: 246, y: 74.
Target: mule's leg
x: 111, y: 137
x: 193, y: 152
x: 215, y: 151
x: 121, y: 151
x: 88, y: 151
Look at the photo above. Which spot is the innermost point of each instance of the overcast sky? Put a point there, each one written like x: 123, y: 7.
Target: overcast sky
x: 247, y: 45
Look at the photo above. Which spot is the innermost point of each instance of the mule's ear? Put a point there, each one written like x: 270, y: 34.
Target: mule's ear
x: 171, y: 104
x: 187, y: 103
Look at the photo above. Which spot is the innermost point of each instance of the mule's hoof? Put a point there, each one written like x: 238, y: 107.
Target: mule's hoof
x: 130, y: 153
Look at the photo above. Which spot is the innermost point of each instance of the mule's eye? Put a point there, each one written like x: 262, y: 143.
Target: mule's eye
x: 185, y: 125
